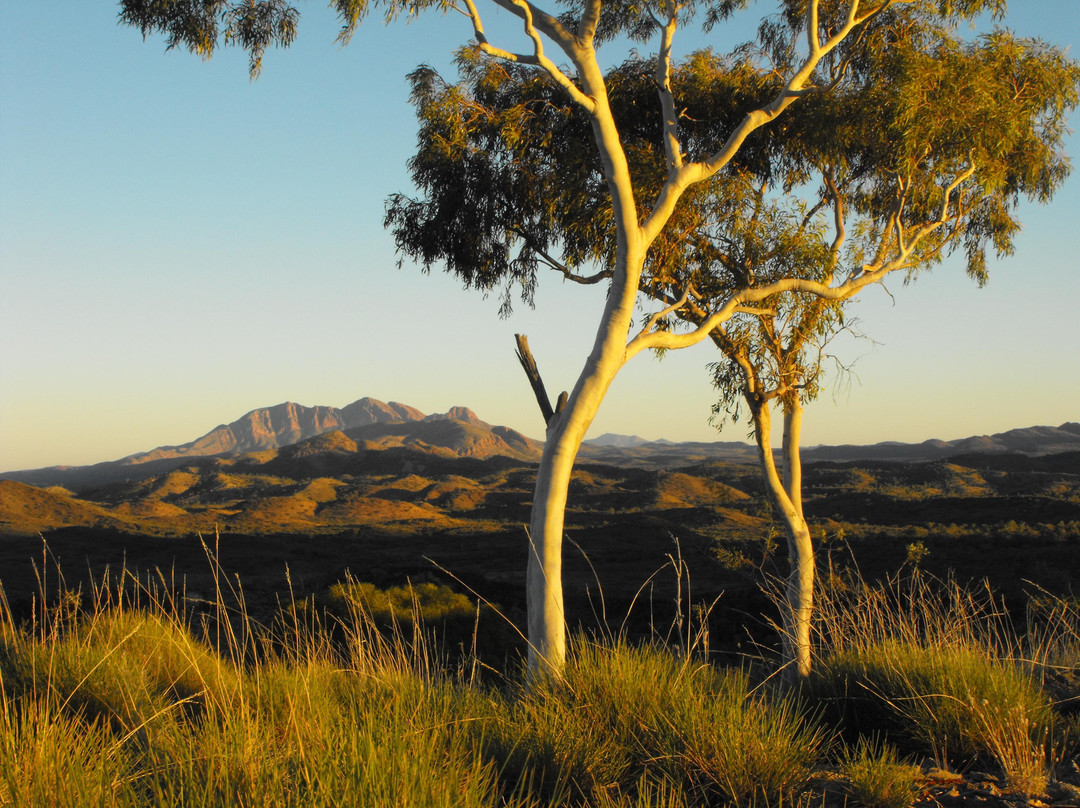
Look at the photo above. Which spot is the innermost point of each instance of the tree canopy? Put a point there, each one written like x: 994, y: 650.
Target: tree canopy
x: 928, y: 148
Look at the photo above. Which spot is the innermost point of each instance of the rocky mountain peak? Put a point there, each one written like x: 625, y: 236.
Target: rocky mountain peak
x: 458, y: 414
x: 372, y: 411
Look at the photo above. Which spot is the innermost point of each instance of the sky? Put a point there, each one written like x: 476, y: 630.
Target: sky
x: 180, y: 245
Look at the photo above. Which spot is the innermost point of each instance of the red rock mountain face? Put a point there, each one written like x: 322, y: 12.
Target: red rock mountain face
x: 372, y: 411
x: 284, y: 425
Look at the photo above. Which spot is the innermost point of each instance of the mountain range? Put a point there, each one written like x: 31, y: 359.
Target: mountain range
x: 373, y: 467
x: 281, y: 425
x: 455, y: 433
x: 370, y: 424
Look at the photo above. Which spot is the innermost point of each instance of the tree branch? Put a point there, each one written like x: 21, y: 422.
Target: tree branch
x: 694, y: 172
x: 553, y: 263
x: 671, y: 309
x: 668, y: 340
x: 584, y: 280
x: 535, y: 22
x: 838, y: 219
x: 672, y: 147
x: 589, y: 20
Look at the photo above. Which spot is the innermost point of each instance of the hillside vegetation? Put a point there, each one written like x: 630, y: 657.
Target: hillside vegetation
x: 439, y: 500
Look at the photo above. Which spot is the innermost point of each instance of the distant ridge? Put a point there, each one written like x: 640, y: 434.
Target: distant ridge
x: 1032, y: 441
x: 401, y: 469
x: 459, y: 432
x: 365, y: 425
x: 618, y: 441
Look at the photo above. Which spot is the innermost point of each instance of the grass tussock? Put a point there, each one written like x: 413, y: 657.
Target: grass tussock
x: 127, y: 707
x: 626, y: 722
x: 942, y: 671
x: 876, y: 777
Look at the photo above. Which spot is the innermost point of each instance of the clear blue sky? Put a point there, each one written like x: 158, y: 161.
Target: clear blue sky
x: 179, y: 245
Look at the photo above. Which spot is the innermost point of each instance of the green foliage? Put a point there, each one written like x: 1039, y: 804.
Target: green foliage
x: 885, y: 169
x: 431, y: 602
x: 916, y: 552
x: 414, y: 615
x: 200, y: 25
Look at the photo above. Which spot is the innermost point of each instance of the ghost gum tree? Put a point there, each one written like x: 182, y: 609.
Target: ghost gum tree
x: 647, y: 217
x: 959, y: 134
x: 929, y: 149
x: 889, y: 156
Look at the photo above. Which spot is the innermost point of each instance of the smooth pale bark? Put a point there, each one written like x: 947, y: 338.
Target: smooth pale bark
x: 799, y: 601
x: 566, y: 430
x: 793, y: 415
x: 565, y: 433
x: 800, y: 592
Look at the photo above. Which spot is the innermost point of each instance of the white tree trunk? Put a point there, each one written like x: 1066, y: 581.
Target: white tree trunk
x: 800, y: 589
x: 544, y: 590
x: 787, y: 497
x: 565, y: 433
x: 567, y: 428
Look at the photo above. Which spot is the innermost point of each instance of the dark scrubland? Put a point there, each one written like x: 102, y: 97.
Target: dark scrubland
x: 312, y: 627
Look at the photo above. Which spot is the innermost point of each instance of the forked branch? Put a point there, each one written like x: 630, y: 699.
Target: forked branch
x: 797, y: 85
x: 525, y: 357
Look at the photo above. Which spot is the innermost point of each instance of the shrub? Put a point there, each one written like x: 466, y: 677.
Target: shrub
x: 940, y: 671
x: 415, y: 614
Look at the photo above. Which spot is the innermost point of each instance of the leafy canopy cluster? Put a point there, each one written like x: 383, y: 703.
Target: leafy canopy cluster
x: 927, y: 145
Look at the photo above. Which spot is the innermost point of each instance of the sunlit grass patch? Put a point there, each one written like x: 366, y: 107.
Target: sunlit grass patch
x: 624, y: 722
x: 107, y: 704
x: 941, y: 672
x: 325, y: 737
x: 48, y: 757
